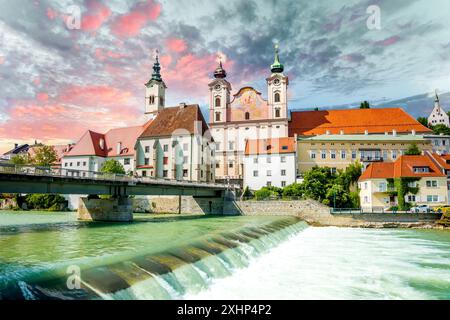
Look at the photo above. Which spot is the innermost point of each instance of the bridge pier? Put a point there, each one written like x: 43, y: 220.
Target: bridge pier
x: 116, y: 209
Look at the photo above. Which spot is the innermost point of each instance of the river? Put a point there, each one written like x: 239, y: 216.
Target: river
x: 42, y: 254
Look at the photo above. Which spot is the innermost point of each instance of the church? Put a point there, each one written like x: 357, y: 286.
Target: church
x: 236, y: 118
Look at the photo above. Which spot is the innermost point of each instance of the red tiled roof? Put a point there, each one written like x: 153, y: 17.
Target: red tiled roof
x: 89, y: 144
x: 442, y: 160
x: 353, y: 121
x: 270, y: 146
x: 403, y: 167
x: 170, y: 119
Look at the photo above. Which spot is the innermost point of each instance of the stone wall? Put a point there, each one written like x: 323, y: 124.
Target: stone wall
x: 171, y: 204
x: 118, y: 210
x: 295, y: 207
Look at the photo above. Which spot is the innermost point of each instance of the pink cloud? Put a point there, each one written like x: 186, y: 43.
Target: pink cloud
x: 102, y: 55
x: 176, y: 45
x: 2, y: 60
x: 388, y: 41
x: 131, y: 23
x: 51, y: 14
x: 97, y: 14
x: 42, y: 96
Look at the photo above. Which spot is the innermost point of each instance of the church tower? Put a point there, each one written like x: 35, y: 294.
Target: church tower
x: 155, y: 90
x: 277, y: 85
x: 219, y: 96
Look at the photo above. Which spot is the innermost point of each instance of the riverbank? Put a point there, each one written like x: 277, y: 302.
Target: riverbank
x: 374, y: 221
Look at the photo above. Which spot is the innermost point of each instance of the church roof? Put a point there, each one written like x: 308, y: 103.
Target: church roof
x: 170, y: 119
x: 353, y: 121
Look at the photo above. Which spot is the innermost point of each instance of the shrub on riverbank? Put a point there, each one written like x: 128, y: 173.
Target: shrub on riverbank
x: 50, y: 202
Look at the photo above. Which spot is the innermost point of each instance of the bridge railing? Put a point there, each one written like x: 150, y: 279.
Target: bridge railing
x: 94, y: 175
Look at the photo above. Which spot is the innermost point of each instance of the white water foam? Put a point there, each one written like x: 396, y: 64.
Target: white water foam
x: 339, y: 263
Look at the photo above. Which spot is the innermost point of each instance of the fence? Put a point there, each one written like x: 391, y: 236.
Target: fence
x: 94, y: 175
x: 351, y: 211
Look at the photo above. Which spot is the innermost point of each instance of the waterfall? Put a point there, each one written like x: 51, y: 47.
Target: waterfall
x: 171, y: 274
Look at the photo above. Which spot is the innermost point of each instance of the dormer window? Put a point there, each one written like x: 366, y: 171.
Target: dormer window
x: 421, y: 169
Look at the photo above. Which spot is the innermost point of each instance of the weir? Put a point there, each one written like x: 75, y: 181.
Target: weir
x: 168, y: 274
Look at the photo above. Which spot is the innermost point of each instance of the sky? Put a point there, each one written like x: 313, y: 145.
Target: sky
x: 71, y: 65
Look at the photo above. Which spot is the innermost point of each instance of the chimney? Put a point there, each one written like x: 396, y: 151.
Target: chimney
x: 119, y: 147
x: 394, y: 132
x: 182, y: 105
x: 366, y: 132
x: 341, y: 132
x: 16, y: 145
x: 102, y: 143
x: 386, y: 133
x: 327, y: 132
x: 413, y: 132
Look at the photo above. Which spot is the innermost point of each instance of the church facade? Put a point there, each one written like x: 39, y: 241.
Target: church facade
x: 236, y: 118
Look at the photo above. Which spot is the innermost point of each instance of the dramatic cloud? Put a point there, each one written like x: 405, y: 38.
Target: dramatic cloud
x: 58, y: 82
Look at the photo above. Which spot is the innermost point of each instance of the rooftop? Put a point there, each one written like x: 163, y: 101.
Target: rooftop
x: 354, y: 121
x: 270, y: 146
x: 403, y: 167
x: 363, y: 137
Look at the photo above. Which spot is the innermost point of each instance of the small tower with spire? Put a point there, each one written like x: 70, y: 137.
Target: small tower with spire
x: 438, y: 115
x: 155, y: 90
x: 277, y: 85
x: 219, y: 90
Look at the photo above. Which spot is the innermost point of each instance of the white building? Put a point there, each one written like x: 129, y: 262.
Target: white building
x: 94, y: 149
x: 438, y: 115
x: 245, y: 115
x: 270, y: 162
x: 177, y: 145
x: 440, y: 143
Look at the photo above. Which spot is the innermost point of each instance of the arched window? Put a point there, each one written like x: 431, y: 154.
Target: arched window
x: 277, y: 97
x: 217, y: 116
x: 247, y: 116
x: 217, y: 104
x: 277, y: 113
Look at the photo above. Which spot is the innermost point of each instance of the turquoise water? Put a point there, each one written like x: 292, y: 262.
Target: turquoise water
x: 216, y: 258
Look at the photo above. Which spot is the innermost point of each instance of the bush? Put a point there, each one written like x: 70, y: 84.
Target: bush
x: 44, y: 201
x: 326, y: 202
x: 264, y: 193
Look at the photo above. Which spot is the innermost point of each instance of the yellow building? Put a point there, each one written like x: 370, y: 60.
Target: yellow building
x: 337, y: 151
x: 427, y: 183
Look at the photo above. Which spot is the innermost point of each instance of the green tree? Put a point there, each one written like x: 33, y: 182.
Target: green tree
x: 413, y: 150
x: 365, y: 105
x: 20, y: 159
x: 338, y: 196
x: 316, y: 182
x: 247, y: 193
x: 264, y: 193
x: 293, y: 190
x: 441, y: 128
x: 350, y: 175
x: 44, y: 156
x: 423, y: 121
x: 113, y: 166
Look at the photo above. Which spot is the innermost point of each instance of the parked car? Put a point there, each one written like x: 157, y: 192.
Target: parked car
x: 421, y: 208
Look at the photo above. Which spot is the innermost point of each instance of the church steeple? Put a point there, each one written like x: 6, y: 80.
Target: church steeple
x: 155, y: 90
x: 276, y: 67
x: 220, y: 72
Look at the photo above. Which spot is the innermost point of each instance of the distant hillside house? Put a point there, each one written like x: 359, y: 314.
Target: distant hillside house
x: 93, y: 149
x: 438, y: 115
x: 354, y: 121
x: 176, y: 145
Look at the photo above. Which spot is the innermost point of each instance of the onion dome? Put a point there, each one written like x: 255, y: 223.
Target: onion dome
x: 156, y: 75
x: 220, y: 72
x: 276, y: 67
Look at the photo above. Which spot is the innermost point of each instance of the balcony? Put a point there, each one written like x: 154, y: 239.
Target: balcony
x: 384, y: 189
x: 371, y: 159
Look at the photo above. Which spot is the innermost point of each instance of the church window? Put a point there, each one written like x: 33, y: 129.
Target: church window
x: 247, y: 116
x: 277, y: 97
x: 277, y: 113
x: 217, y: 104
x: 217, y: 116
